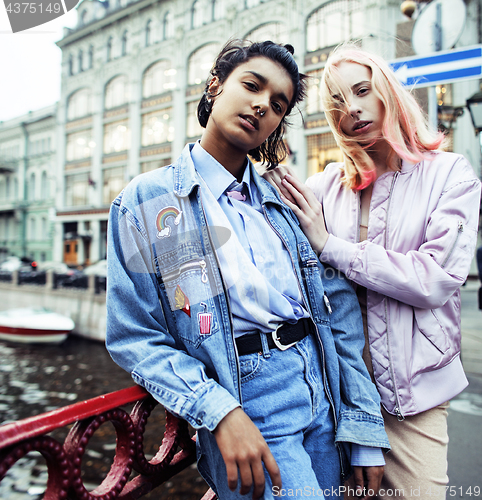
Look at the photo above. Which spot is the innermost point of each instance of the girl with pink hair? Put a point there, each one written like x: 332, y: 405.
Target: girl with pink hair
x: 399, y: 218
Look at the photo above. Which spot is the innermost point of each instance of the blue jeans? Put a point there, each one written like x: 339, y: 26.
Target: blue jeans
x: 284, y: 396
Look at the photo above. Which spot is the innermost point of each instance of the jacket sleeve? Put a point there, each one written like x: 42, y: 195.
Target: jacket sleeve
x: 138, y: 338
x: 428, y: 276
x: 360, y: 420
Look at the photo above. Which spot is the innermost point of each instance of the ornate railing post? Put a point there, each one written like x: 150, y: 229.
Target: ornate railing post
x: 64, y: 461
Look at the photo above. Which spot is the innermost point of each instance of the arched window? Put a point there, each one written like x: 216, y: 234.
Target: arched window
x: 217, y: 9
x: 44, y: 187
x: 31, y: 187
x: 148, y: 33
x: 79, y: 104
x: 196, y: 14
x: 33, y: 228
x: 124, y: 43
x: 334, y: 23
x: 108, y: 55
x: 44, y: 229
x: 158, y: 78
x: 91, y: 57
x: 270, y: 31
x: 116, y: 92
x: 81, y: 60
x: 167, y: 26
x: 200, y: 63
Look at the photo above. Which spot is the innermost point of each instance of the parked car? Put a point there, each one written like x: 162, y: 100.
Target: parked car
x: 97, y: 269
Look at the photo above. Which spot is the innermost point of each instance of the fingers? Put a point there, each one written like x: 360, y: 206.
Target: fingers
x: 359, y: 480
x: 275, y: 177
x: 374, y: 476
x: 244, y: 451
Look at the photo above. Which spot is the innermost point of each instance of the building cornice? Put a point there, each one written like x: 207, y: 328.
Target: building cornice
x: 112, y: 18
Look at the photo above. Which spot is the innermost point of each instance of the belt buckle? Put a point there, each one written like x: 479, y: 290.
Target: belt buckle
x: 277, y: 342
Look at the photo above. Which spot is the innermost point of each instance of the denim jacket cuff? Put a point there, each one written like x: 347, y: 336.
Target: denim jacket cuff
x: 362, y: 428
x: 208, y: 407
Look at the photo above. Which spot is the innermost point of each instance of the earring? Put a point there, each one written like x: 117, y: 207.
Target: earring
x: 209, y: 100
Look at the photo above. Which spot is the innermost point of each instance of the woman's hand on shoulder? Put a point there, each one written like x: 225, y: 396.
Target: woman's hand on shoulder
x: 275, y: 177
x: 308, y: 209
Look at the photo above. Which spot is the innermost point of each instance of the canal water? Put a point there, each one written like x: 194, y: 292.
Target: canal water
x: 38, y: 378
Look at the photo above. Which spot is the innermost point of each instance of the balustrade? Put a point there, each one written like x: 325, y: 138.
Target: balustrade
x: 64, y: 460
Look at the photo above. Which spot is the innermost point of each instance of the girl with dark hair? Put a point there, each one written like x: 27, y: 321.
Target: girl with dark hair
x: 218, y: 307
x: 399, y: 217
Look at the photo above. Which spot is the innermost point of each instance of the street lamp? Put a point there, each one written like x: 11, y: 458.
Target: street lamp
x: 474, y: 104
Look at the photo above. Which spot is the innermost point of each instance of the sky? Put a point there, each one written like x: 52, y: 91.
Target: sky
x: 30, y: 65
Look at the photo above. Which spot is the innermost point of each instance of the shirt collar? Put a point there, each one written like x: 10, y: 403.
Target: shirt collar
x: 214, y: 174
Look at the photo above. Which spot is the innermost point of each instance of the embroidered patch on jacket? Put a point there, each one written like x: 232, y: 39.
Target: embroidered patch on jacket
x: 205, y: 319
x: 163, y: 228
x: 182, y: 302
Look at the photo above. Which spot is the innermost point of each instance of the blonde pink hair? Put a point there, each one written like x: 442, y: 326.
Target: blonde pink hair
x: 404, y: 128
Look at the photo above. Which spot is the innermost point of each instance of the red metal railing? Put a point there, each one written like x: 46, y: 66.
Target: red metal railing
x: 64, y: 461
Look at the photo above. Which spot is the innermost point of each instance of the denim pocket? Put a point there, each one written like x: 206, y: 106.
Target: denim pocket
x: 250, y: 366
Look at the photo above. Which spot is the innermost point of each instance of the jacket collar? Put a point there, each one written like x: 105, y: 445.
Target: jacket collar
x: 185, y: 178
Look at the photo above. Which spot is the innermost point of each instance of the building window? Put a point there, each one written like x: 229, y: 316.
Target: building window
x: 217, y: 9
x: 44, y: 229
x: 31, y: 187
x: 80, y: 145
x: 158, y: 78
x: 91, y: 57
x: 148, y: 33
x: 76, y: 187
x: 124, y: 41
x: 322, y: 150
x: 313, y: 97
x: 200, y: 63
x: 108, y: 55
x: 71, y: 65
x: 79, y: 105
x: 196, y: 14
x: 148, y: 166
x: 113, y: 183
x: 157, y: 127
x: 44, y: 186
x: 117, y: 92
x: 167, y: 26
x: 116, y: 137
x: 270, y: 31
x: 81, y: 60
x: 33, y: 228
x: 334, y: 23
x: 193, y: 128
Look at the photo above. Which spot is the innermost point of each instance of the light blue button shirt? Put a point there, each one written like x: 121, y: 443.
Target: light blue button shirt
x: 266, y: 251
x: 262, y: 245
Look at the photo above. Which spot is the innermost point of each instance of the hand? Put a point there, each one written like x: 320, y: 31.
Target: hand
x: 374, y: 477
x: 243, y: 447
x: 308, y: 210
x: 275, y: 176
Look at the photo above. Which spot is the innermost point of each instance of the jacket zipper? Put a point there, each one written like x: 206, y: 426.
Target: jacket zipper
x: 312, y: 263
x: 398, y: 411
x: 189, y: 265
x: 460, y: 229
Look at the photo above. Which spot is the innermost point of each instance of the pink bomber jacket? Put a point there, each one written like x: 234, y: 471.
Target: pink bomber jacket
x: 422, y: 234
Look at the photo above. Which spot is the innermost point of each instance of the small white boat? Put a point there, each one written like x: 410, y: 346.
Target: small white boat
x: 34, y: 325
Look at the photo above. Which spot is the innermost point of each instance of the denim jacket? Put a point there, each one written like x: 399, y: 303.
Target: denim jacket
x: 168, y: 313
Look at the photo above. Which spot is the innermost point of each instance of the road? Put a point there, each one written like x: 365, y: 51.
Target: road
x: 465, y: 413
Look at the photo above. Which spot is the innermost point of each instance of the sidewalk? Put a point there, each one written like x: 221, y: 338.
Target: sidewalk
x: 471, y: 329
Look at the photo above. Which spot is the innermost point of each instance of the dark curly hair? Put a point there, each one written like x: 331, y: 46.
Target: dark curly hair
x: 237, y: 52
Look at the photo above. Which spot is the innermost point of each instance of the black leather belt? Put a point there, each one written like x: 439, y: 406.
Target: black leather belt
x: 282, y: 338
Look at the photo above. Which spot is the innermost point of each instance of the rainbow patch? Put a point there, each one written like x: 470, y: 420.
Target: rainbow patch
x: 163, y: 228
